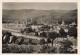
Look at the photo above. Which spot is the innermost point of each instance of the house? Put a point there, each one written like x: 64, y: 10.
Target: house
x: 66, y: 30
x: 36, y: 27
x: 72, y: 24
x: 56, y: 29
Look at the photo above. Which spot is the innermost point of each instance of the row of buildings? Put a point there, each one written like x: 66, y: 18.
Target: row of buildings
x: 21, y: 25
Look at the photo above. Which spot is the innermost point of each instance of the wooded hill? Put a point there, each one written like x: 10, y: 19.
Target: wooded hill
x: 40, y: 15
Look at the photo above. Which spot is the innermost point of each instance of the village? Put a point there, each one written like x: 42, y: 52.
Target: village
x: 39, y: 32
x: 17, y: 25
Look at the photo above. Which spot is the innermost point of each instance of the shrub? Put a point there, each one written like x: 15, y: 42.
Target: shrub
x: 19, y: 40
x: 5, y: 48
x: 42, y: 41
x: 52, y: 50
x: 30, y: 50
x: 4, y: 32
x: 26, y: 30
x: 26, y: 41
x: 17, y: 49
x: 48, y: 49
x: 36, y: 33
x: 34, y: 42
x: 65, y: 46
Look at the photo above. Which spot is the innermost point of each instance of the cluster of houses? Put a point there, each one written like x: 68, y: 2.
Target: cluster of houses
x: 18, y: 25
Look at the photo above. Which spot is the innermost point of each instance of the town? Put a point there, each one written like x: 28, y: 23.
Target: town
x: 54, y: 33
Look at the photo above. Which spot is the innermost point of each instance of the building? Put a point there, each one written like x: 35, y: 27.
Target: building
x: 36, y: 27
x: 72, y: 24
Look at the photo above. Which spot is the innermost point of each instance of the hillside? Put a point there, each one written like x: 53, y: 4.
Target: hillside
x: 40, y: 15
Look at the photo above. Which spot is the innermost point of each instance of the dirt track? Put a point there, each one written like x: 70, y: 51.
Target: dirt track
x: 14, y: 32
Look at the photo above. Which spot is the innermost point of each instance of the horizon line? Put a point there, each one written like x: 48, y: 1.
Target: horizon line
x: 39, y: 9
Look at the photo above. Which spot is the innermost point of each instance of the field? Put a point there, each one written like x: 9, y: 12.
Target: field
x: 14, y: 48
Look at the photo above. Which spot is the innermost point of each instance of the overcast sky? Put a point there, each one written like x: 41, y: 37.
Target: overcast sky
x: 40, y: 6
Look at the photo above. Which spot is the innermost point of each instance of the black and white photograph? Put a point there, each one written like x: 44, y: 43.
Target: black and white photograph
x: 40, y: 27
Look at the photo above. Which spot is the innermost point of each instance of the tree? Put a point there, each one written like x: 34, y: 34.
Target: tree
x: 68, y: 21
x: 45, y: 28
x: 7, y: 35
x: 14, y: 39
x: 62, y: 33
x: 48, y: 40
x: 4, y: 32
x: 73, y: 32
x: 43, y: 34
x: 34, y: 21
x: 21, y: 41
x: 30, y: 41
x: 42, y: 41
x: 48, y: 49
x: 59, y: 22
x: 53, y: 36
x: 26, y: 30
x: 36, y: 33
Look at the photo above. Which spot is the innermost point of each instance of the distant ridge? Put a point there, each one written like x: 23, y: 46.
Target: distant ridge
x: 40, y: 15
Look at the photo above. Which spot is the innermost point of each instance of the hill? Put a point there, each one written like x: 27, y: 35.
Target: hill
x: 39, y: 15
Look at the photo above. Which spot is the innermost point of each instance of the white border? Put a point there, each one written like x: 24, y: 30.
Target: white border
x: 78, y: 2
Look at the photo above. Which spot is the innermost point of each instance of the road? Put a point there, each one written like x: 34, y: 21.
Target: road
x: 14, y: 32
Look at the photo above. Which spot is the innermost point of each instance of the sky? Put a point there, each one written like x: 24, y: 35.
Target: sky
x: 40, y: 5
